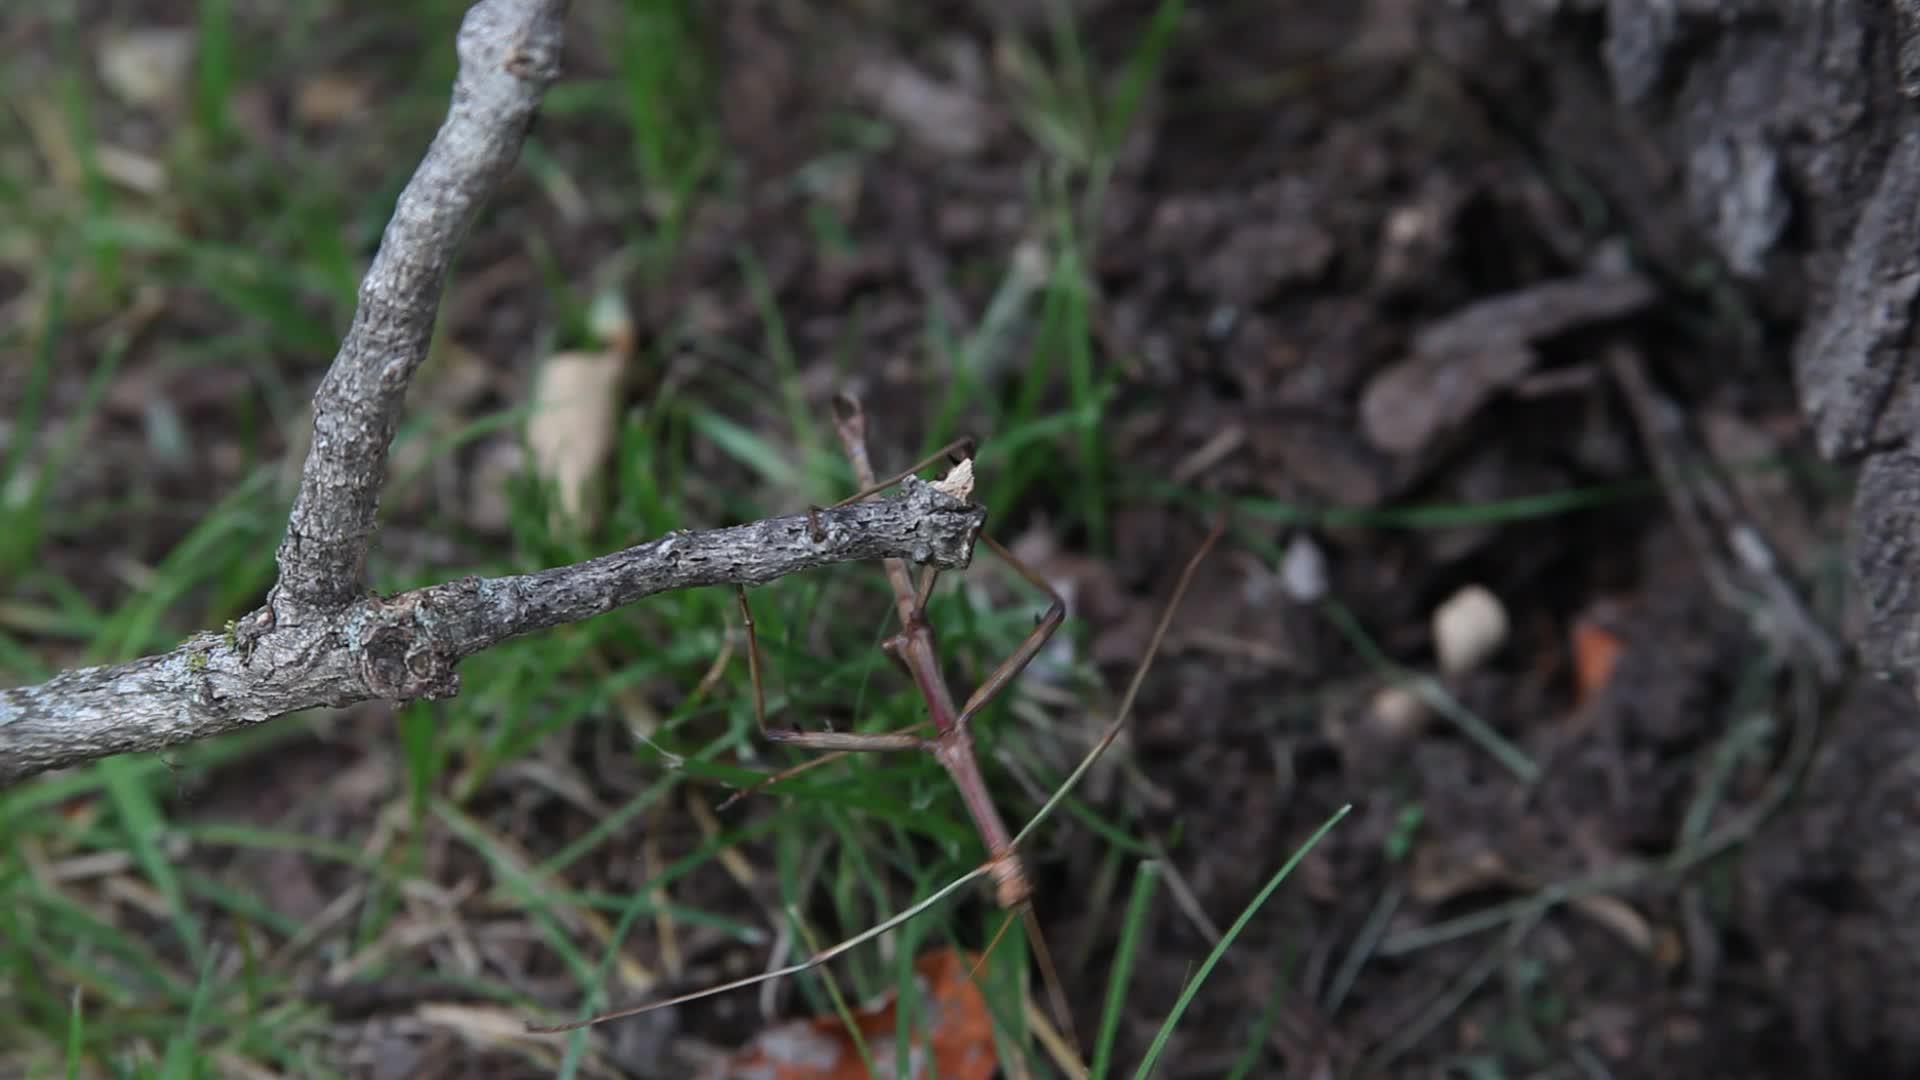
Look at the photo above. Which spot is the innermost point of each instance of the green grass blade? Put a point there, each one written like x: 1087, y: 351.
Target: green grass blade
x: 140, y: 816
x: 1220, y: 950
x: 22, y: 536
x: 76, y: 1034
x: 213, y: 75
x: 1138, y: 906
x: 182, y: 1060
x: 577, y: 1043
x: 1142, y: 67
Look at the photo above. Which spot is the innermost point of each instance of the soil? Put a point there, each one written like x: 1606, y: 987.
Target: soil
x: 1328, y: 276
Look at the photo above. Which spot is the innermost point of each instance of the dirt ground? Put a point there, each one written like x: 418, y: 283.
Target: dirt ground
x: 1329, y: 279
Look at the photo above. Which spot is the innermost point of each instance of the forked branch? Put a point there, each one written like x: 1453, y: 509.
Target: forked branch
x: 321, y: 639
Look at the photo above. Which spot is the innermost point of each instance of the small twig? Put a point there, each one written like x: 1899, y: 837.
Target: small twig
x: 407, y: 646
x: 808, y: 964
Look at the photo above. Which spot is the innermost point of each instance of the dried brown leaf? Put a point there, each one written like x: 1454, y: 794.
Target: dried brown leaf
x: 570, y: 432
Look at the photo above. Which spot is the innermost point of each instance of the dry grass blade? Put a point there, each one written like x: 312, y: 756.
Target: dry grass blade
x: 1139, y: 676
x: 808, y: 964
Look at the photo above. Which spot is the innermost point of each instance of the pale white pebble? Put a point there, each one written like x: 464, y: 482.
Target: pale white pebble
x: 1467, y: 629
x: 1303, y: 570
x: 1397, y: 713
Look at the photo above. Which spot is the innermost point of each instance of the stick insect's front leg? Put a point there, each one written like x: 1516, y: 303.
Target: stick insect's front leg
x: 1030, y: 647
x: 959, y: 448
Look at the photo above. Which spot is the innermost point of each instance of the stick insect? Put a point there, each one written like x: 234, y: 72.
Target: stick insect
x: 952, y: 742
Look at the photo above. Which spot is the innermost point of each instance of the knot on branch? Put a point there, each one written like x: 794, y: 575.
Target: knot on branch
x: 523, y: 39
x: 946, y: 528
x: 400, y: 650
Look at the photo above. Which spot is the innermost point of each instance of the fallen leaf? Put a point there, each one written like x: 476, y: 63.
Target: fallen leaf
x: 1596, y: 652
x: 571, y: 430
x: 951, y: 1007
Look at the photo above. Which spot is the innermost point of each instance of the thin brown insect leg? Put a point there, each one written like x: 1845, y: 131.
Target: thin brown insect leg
x: 1013, y: 665
x: 1006, y: 924
x: 792, y: 771
x: 965, y: 443
x: 928, y: 575
x: 850, y: 423
x: 753, y: 659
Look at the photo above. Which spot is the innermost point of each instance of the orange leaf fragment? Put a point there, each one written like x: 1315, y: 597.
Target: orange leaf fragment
x: 951, y: 1008
x: 1596, y: 652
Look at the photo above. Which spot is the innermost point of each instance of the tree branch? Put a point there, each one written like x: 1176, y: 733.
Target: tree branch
x: 407, y: 646
x: 509, y: 54
x: 320, y: 639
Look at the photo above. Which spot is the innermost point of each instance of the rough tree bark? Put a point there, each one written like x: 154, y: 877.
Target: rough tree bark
x: 1779, y: 141
x: 321, y: 639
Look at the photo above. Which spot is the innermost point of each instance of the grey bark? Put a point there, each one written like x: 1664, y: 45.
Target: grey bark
x: 406, y: 647
x: 321, y: 639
